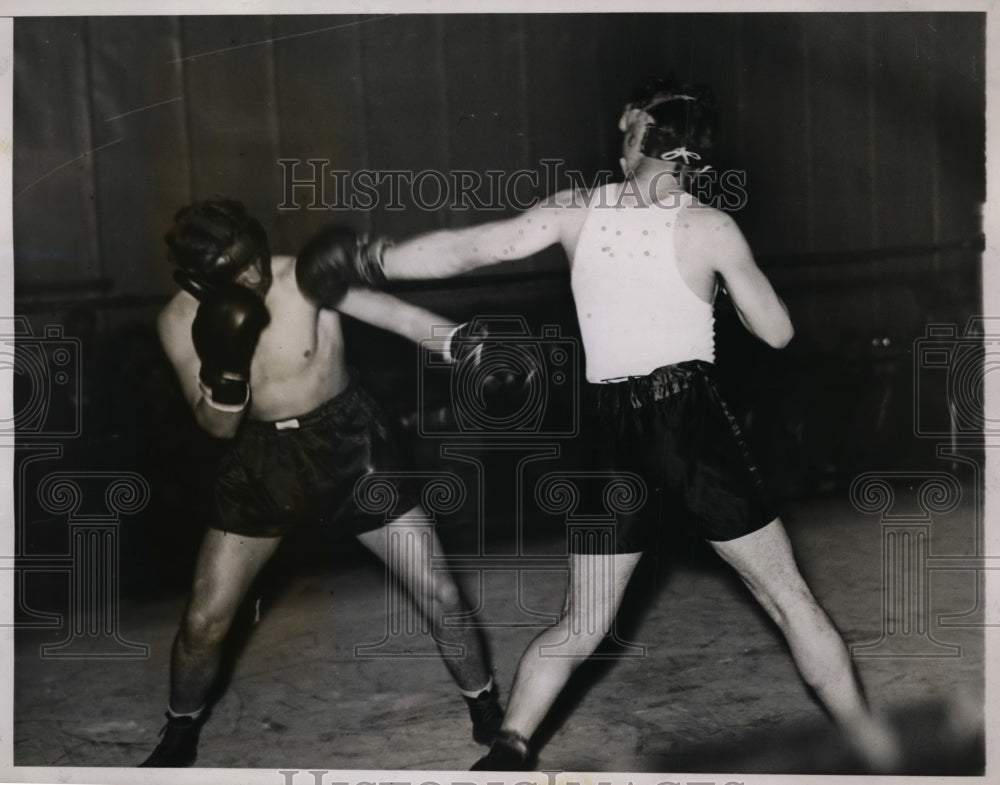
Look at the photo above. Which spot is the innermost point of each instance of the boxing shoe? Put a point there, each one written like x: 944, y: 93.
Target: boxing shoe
x: 486, y: 714
x: 510, y: 752
x: 178, y: 747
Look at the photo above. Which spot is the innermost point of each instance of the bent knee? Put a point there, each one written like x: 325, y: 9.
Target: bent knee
x: 446, y: 594
x: 792, y: 605
x: 205, y: 626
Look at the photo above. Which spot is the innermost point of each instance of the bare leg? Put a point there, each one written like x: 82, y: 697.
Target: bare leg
x: 765, y: 562
x: 435, y: 593
x: 227, y: 564
x: 594, y: 594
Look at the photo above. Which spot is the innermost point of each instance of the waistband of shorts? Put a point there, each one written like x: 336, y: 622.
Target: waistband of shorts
x: 663, y: 373
x: 658, y: 384
x: 329, y: 407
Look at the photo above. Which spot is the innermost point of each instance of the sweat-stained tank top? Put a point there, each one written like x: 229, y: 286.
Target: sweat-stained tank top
x: 635, y: 311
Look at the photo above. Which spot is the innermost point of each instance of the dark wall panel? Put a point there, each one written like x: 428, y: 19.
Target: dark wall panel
x: 486, y: 89
x: 715, y: 58
x: 857, y: 131
x: 138, y: 97
x: 959, y: 105
x: 840, y: 160
x: 903, y: 132
x: 563, y: 61
x: 55, y: 235
x: 774, y: 124
x: 321, y: 115
x: 231, y: 119
x: 404, y: 118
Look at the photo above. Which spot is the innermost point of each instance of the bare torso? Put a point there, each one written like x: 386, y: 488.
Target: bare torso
x: 299, y: 361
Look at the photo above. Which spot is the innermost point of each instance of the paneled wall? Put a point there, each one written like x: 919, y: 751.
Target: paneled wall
x: 861, y: 137
x: 856, y: 131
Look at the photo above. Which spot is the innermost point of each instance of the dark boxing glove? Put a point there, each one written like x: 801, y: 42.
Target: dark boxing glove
x: 197, y: 286
x: 503, y: 368
x: 225, y: 332
x: 335, y: 258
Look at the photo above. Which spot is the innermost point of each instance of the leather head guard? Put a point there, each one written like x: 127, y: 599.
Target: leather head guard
x: 682, y: 121
x: 213, y: 241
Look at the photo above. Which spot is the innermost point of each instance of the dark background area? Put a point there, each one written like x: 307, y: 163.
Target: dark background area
x: 861, y: 135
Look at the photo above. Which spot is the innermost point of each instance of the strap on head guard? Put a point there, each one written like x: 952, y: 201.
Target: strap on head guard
x: 661, y: 138
x: 681, y: 121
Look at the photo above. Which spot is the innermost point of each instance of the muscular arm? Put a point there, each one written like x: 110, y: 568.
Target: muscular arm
x: 390, y: 313
x: 174, y: 327
x: 757, y: 304
x: 445, y: 253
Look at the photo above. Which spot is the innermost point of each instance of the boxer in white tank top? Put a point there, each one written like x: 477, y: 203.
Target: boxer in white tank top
x: 644, y: 277
x: 636, y: 313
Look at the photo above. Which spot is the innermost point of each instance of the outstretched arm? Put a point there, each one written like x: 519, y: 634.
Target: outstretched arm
x: 467, y: 343
x: 445, y: 253
x: 391, y: 313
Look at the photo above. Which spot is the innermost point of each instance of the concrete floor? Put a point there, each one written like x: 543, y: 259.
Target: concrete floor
x: 715, y: 691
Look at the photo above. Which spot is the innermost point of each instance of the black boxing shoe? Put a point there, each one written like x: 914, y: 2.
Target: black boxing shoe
x: 486, y: 713
x: 178, y: 747
x: 510, y: 752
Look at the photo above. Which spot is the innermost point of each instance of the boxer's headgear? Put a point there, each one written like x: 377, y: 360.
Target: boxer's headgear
x: 213, y: 241
x: 682, y: 123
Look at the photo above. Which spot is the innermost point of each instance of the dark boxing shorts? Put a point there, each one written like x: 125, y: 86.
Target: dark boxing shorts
x: 280, y: 476
x: 673, y: 429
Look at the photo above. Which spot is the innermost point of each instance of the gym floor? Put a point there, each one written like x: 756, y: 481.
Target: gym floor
x: 713, y: 690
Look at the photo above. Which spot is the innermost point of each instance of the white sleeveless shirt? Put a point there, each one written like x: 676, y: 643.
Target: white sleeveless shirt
x: 636, y: 313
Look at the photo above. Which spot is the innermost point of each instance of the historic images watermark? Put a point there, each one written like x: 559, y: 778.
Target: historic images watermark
x: 315, y: 184
x: 507, y: 437
x: 553, y: 777
x: 950, y: 408
x: 949, y: 366
x: 45, y: 373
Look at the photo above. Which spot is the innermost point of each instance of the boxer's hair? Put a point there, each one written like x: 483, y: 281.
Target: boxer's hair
x: 681, y: 117
x: 215, y: 239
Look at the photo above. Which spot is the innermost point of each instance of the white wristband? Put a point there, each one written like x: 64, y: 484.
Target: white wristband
x: 223, y: 407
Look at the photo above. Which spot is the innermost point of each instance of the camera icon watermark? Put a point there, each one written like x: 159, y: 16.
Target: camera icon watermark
x: 950, y: 380
x: 46, y: 380
x: 514, y: 384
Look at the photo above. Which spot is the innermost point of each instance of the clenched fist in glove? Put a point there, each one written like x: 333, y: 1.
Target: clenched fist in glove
x: 225, y: 332
x: 335, y: 258
x: 502, y: 366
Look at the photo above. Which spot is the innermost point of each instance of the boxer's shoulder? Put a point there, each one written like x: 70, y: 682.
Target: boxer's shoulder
x: 702, y: 223
x: 283, y: 268
x: 179, y: 310
x: 707, y: 235
x: 568, y: 199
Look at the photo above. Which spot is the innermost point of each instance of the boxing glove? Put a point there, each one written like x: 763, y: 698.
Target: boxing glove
x: 335, y: 258
x: 504, y: 367
x: 197, y: 286
x: 225, y: 332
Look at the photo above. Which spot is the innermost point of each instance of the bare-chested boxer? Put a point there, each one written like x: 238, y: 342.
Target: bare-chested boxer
x: 257, y: 345
x: 646, y: 263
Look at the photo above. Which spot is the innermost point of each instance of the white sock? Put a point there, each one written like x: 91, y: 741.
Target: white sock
x: 193, y: 715
x: 480, y: 691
